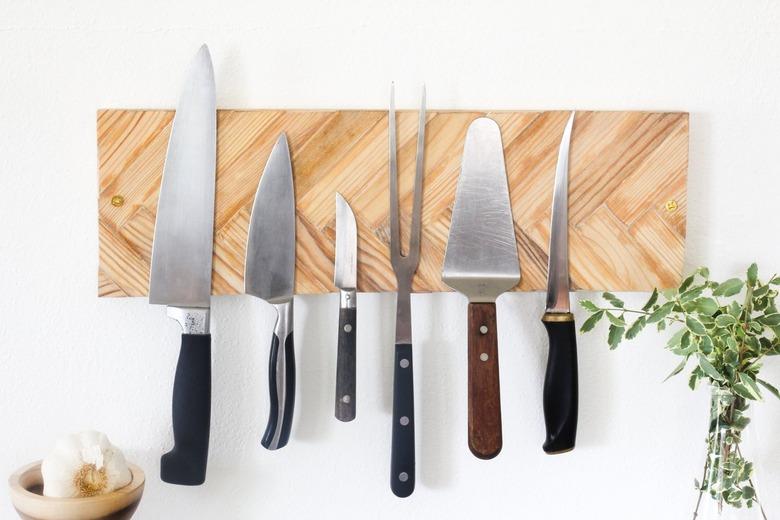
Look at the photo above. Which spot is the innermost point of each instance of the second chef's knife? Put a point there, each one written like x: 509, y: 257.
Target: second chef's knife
x: 270, y: 275
x: 180, y: 275
x: 345, y: 278
x: 481, y: 262
x: 560, y: 381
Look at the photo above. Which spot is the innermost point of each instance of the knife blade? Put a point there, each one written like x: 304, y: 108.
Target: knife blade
x: 560, y: 395
x: 345, y: 278
x: 270, y: 275
x: 481, y: 262
x: 180, y: 275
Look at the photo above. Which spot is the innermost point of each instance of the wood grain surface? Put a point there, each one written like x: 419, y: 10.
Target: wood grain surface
x: 484, y: 424
x: 627, y: 201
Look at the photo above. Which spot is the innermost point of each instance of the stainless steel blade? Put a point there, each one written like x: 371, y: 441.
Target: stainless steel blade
x: 183, y: 234
x: 345, y: 272
x: 558, y: 265
x: 481, y: 258
x: 270, y: 250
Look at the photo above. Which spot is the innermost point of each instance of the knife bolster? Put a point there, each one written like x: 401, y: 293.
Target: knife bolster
x: 347, y: 298
x: 551, y: 317
x: 192, y: 320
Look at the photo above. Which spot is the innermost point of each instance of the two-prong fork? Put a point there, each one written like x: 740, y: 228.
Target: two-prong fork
x: 402, y: 465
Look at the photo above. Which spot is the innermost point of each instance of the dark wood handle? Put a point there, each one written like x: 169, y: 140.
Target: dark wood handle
x: 185, y: 464
x: 402, y: 465
x: 345, y: 365
x: 484, y: 390
x: 560, y: 384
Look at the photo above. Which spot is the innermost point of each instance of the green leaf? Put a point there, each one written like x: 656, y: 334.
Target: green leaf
x: 705, y: 344
x: 725, y: 320
x: 636, y: 327
x: 771, y: 320
x: 589, y: 306
x: 661, y: 325
x: 678, y: 368
x: 703, y: 271
x: 692, y: 380
x: 752, y: 274
x: 685, y: 284
x: 760, y: 291
x: 676, y: 339
x: 751, y: 385
x: 769, y: 387
x: 775, y: 280
x: 592, y: 321
x: 661, y: 312
x: 695, y: 326
x: 616, y: 321
x: 690, y: 294
x: 615, y: 336
x: 735, y: 309
x: 651, y: 301
x: 614, y: 300
x: 708, y: 369
x: 742, y: 391
x: 706, y: 306
x: 730, y: 287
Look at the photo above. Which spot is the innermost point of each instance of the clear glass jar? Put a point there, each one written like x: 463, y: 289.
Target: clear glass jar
x: 727, y: 487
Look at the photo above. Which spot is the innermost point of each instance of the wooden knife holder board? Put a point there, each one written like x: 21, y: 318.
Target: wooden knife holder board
x: 627, y: 193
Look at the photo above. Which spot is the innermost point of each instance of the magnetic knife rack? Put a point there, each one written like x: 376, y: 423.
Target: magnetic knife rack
x: 627, y: 199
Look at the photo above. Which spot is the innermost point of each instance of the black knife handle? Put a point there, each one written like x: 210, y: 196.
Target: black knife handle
x: 281, y: 381
x: 402, y: 453
x: 560, y: 383
x: 484, y: 394
x: 185, y: 464
x: 345, y: 365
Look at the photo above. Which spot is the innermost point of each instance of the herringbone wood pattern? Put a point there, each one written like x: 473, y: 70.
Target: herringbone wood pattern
x: 627, y: 192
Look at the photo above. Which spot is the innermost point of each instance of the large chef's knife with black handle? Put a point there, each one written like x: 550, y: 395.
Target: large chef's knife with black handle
x: 270, y: 275
x: 481, y: 262
x: 345, y: 278
x: 180, y: 275
x: 560, y: 381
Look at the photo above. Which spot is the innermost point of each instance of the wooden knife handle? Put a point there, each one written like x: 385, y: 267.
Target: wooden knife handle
x: 560, y: 384
x: 345, y: 365
x: 185, y: 464
x: 484, y: 391
x: 402, y: 458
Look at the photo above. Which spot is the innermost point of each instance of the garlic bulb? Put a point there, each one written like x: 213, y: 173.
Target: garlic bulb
x: 84, y: 465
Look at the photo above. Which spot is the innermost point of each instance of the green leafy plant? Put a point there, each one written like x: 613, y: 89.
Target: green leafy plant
x: 722, y: 331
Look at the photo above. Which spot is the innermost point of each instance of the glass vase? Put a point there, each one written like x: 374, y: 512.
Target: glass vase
x: 727, y: 487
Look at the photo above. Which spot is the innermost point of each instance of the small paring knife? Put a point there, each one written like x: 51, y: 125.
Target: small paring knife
x: 180, y: 275
x: 560, y: 396
x: 270, y: 275
x: 481, y: 262
x: 345, y: 278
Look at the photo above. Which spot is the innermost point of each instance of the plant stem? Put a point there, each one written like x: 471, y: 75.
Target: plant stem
x: 701, y: 484
x: 646, y: 313
x: 750, y: 481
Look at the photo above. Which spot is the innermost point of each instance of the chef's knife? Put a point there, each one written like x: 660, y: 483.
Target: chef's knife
x: 180, y: 275
x: 345, y: 278
x: 270, y: 275
x: 481, y: 262
x: 560, y: 381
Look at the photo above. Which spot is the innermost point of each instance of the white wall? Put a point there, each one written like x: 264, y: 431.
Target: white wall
x: 69, y: 361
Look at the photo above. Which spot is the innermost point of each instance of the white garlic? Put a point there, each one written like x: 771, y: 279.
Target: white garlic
x: 83, y: 465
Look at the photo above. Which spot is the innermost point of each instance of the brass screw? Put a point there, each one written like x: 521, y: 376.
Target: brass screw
x: 671, y: 205
x: 117, y: 201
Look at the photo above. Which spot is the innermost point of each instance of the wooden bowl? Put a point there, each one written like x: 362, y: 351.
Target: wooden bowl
x: 27, y: 497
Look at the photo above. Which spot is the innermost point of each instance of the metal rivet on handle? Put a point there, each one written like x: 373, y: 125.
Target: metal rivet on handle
x: 483, y: 329
x: 483, y: 356
x: 404, y: 363
x: 346, y: 399
x: 403, y: 476
x: 347, y: 328
x: 404, y: 421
